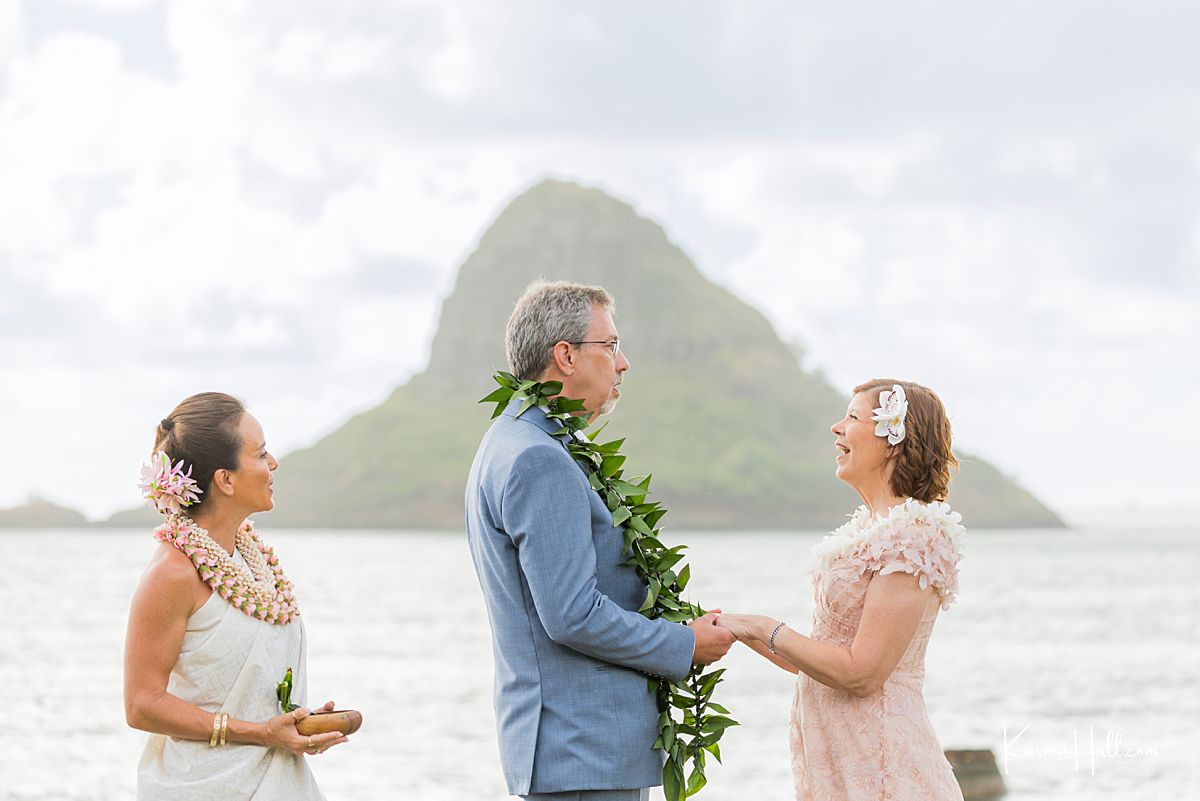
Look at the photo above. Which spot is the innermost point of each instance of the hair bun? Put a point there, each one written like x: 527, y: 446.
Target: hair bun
x: 166, y: 424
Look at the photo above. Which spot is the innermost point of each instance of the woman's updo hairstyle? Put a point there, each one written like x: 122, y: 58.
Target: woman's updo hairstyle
x: 202, y: 431
x: 923, y: 459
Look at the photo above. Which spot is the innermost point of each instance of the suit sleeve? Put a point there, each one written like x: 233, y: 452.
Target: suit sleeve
x: 547, y: 513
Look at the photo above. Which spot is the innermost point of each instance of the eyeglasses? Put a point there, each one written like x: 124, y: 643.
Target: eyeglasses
x: 614, y: 344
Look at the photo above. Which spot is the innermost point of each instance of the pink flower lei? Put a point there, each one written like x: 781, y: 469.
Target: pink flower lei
x: 265, y: 593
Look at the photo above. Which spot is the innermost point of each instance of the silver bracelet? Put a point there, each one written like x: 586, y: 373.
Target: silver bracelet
x: 771, y: 640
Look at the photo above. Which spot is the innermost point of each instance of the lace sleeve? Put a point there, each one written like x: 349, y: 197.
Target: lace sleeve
x: 926, y: 549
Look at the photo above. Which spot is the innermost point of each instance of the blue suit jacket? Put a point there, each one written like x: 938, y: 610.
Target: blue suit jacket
x: 573, y: 709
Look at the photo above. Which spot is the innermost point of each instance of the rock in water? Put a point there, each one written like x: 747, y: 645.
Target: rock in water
x: 977, y: 774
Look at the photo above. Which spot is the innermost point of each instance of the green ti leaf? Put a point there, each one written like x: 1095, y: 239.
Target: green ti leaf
x: 627, y: 490
x: 596, y: 431
x: 673, y: 786
x: 499, y: 396
x: 718, y: 723
x: 651, y: 596
x: 638, y: 524
x: 283, y: 692
x: 611, y: 465
x: 668, y: 561
x: 696, y: 781
x: 528, y: 404
x: 567, y: 405
x: 685, y: 576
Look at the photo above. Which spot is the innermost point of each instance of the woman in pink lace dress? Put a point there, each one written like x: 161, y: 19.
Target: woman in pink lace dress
x: 859, y: 729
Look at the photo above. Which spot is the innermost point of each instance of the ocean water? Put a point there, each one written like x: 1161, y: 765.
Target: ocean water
x: 1074, y: 655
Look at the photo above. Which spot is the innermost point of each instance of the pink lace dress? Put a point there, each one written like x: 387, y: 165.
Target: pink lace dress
x: 882, y: 746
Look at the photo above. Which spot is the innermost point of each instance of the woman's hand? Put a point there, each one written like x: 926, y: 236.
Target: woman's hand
x: 892, y: 611
x: 280, y: 732
x: 744, y: 627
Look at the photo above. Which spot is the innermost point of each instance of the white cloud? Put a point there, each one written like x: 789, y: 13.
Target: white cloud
x: 116, y: 5
x: 309, y: 55
x: 12, y: 31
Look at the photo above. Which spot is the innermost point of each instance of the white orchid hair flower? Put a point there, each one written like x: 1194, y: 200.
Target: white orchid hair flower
x: 889, y: 417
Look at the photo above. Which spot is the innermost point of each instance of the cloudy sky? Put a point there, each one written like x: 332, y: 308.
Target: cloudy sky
x: 999, y: 200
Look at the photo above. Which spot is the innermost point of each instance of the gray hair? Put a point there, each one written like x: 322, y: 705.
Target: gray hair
x: 548, y: 313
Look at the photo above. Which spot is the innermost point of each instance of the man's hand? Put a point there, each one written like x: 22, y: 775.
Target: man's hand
x: 712, y: 642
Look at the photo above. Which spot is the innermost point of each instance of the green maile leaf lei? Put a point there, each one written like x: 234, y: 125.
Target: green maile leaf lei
x: 690, y: 723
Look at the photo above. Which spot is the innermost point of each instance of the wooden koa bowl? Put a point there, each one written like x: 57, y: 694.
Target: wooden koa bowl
x: 347, y: 721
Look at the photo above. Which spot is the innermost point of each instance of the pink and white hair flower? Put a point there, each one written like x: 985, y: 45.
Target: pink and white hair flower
x: 889, y: 417
x: 168, y: 487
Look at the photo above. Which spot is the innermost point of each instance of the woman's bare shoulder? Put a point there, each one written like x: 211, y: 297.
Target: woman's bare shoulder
x: 170, y: 575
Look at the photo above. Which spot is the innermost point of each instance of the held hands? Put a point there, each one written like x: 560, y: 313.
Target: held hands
x: 745, y: 627
x: 712, y: 642
x: 280, y: 732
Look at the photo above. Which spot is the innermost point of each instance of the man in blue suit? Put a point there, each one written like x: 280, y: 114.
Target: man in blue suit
x: 574, y: 714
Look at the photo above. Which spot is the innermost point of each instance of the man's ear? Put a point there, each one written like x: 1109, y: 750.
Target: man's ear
x: 563, y: 357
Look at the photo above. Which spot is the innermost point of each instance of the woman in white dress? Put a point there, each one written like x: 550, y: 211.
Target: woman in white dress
x: 214, y: 625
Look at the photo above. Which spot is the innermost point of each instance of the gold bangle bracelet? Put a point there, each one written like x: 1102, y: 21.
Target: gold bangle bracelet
x: 212, y: 741
x: 224, y: 727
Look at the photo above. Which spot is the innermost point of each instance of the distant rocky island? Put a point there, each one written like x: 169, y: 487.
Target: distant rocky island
x: 40, y: 513
x: 716, y: 405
